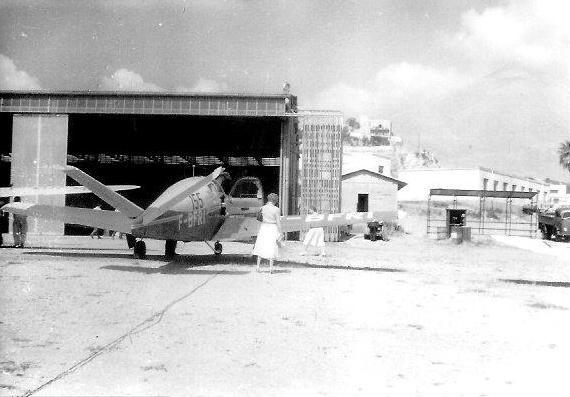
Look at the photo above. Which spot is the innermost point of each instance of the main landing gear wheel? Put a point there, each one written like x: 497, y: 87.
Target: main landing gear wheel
x: 217, y: 248
x: 170, y: 249
x: 131, y: 241
x: 140, y: 250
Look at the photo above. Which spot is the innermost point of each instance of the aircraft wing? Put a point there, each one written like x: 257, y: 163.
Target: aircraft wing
x: 237, y: 228
x: 241, y: 228
x: 110, y: 220
x: 53, y: 191
x: 293, y: 223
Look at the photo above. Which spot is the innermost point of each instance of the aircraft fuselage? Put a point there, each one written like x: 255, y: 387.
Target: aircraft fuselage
x: 196, y: 218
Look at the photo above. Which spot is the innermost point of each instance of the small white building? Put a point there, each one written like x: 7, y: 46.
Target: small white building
x: 558, y: 193
x: 364, y: 190
x: 420, y: 181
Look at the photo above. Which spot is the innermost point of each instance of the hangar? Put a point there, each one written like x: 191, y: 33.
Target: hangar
x: 155, y: 139
x: 148, y: 139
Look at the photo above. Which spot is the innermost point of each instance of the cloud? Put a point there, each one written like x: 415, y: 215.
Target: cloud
x: 206, y: 85
x: 394, y: 87
x: 126, y: 80
x: 503, y: 104
x: 531, y: 34
x: 351, y: 100
x: 13, y: 79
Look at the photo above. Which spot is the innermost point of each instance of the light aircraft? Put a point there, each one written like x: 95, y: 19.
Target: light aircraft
x: 193, y: 209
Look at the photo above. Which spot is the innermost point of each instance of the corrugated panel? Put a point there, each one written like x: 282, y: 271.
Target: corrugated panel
x: 321, y: 161
x: 145, y: 103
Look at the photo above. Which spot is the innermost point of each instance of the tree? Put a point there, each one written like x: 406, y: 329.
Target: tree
x: 350, y: 124
x: 564, y: 154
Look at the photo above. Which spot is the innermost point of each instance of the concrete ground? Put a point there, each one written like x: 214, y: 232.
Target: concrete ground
x: 408, y: 317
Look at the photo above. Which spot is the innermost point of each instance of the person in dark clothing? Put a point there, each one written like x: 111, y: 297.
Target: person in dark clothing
x: 3, y: 223
x: 19, y: 228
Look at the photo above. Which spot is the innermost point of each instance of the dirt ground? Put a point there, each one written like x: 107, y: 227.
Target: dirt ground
x: 408, y: 317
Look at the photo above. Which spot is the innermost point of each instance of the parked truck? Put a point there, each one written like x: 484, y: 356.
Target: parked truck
x: 554, y: 223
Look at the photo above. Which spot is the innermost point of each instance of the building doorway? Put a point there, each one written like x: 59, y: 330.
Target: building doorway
x: 362, y: 204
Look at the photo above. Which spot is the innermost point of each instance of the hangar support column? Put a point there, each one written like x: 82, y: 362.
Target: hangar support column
x: 288, y: 186
x: 39, y: 144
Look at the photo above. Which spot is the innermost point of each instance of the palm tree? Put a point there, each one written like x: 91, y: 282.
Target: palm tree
x: 564, y: 154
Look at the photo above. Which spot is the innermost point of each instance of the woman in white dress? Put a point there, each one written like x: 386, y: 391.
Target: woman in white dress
x: 315, y: 237
x: 269, y: 233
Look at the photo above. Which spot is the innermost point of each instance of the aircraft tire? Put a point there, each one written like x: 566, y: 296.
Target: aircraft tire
x: 131, y: 240
x: 218, y: 248
x: 170, y: 248
x: 139, y: 251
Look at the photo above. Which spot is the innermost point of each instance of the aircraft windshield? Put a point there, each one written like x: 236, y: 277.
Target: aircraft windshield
x: 247, y: 188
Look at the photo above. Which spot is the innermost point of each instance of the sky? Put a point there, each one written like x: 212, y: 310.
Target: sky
x: 477, y: 82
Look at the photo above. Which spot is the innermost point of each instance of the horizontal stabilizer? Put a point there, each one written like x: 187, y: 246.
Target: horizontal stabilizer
x: 54, y: 191
x: 127, y: 207
x: 293, y: 223
x: 174, y: 194
x: 109, y: 220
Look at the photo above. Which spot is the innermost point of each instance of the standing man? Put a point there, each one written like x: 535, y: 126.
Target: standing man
x: 19, y: 227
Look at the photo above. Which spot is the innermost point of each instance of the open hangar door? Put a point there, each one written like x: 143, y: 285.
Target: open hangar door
x: 155, y: 151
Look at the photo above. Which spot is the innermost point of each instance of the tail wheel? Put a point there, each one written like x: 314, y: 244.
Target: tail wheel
x: 140, y: 250
x: 217, y: 248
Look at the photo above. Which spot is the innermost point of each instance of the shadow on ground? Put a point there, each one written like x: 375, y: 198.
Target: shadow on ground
x: 563, y: 284
x: 181, y: 263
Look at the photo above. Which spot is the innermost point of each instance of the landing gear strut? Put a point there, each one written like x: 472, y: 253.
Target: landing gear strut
x: 139, y: 250
x: 170, y: 249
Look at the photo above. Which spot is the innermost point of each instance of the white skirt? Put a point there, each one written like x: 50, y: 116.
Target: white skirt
x: 266, y: 242
x: 315, y: 237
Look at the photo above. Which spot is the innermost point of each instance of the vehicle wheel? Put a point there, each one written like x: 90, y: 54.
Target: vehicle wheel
x: 140, y: 250
x: 170, y: 248
x: 217, y: 248
x: 131, y: 240
x: 544, y: 233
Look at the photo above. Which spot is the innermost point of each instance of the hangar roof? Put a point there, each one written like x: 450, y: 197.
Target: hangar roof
x: 198, y: 104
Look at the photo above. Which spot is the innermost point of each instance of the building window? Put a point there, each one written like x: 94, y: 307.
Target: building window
x: 380, y: 169
x: 362, y: 204
x: 485, y: 182
x: 514, y: 187
x: 505, y: 186
x: 495, y: 185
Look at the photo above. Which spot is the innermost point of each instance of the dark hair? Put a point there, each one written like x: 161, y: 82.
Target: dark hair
x: 17, y: 199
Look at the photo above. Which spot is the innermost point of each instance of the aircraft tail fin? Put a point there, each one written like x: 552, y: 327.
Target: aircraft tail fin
x: 173, y: 195
x: 126, y: 207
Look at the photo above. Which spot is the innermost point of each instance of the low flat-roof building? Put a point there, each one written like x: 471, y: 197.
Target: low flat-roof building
x: 420, y: 181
